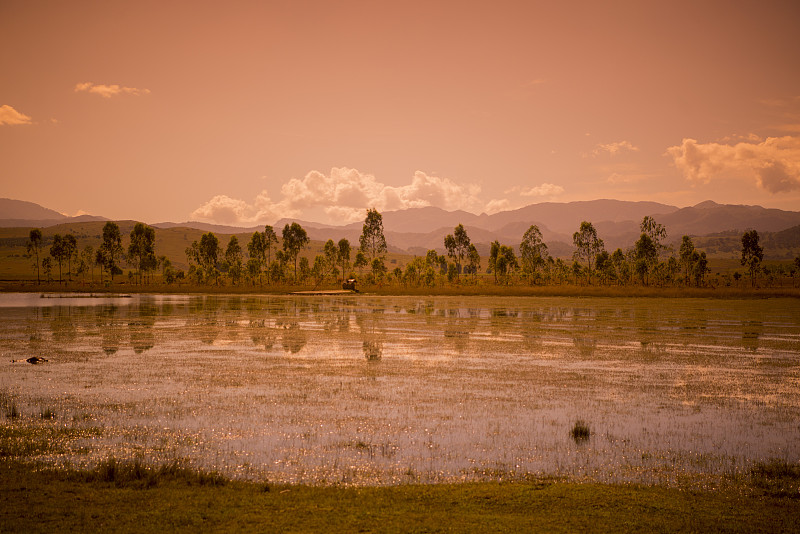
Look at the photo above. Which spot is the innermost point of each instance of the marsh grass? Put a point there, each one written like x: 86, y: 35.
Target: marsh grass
x: 138, y: 474
x: 47, y: 413
x: 580, y: 432
x: 777, y: 478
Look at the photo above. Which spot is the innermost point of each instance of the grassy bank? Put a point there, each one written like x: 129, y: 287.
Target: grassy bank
x: 119, y: 499
x: 399, y: 290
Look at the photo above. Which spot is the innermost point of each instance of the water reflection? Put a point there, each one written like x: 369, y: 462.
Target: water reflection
x: 751, y: 331
x: 444, y: 387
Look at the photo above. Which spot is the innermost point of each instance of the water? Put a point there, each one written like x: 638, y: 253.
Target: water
x: 383, y: 390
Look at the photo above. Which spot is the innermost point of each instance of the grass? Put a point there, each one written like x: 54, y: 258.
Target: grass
x: 44, y: 500
x: 580, y: 431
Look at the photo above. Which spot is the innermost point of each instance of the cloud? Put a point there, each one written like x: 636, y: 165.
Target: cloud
x: 107, y: 91
x: 774, y: 163
x: 614, y: 148
x: 343, y: 195
x: 11, y: 116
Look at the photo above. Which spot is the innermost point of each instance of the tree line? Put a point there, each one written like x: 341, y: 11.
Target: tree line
x: 270, y: 260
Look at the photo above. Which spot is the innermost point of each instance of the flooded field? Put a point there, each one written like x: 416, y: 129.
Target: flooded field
x: 384, y: 390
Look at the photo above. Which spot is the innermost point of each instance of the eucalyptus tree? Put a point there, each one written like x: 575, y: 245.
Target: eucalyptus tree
x: 344, y: 255
x: 233, y: 256
x: 70, y: 251
x: 372, y: 241
x: 752, y: 254
x: 473, y: 261
x: 587, y: 245
x: 687, y: 256
x: 205, y: 254
x: 110, y: 250
x: 506, y: 263
x: 256, y: 248
x: 58, y: 252
x: 270, y: 240
x: 34, y: 248
x: 494, y: 253
x: 142, y: 249
x: 532, y: 251
x: 331, y: 257
x: 295, y: 239
x: 457, y: 245
x: 87, y: 262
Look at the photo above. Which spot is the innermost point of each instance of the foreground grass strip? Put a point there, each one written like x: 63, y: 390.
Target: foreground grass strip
x: 48, y: 500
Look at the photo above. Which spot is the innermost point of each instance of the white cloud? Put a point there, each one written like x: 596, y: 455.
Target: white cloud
x: 614, y: 148
x: 11, y: 116
x: 773, y: 163
x: 107, y: 91
x: 343, y: 195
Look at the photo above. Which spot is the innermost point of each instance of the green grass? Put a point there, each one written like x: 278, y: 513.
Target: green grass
x: 46, y: 500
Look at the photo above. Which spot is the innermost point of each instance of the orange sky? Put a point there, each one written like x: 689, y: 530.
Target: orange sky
x: 245, y: 112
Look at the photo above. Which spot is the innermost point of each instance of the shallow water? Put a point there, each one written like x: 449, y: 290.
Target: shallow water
x: 385, y: 390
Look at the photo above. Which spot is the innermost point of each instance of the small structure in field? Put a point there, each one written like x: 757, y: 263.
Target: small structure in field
x: 350, y: 284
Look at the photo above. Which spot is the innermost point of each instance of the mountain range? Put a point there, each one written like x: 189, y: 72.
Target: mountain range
x: 417, y: 230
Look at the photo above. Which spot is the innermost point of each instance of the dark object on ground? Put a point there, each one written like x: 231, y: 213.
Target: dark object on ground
x: 35, y: 359
x: 350, y: 284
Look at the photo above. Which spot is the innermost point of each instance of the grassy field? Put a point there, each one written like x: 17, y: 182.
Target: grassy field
x: 121, y: 498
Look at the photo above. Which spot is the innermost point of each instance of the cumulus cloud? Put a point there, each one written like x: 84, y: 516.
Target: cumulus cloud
x: 773, y: 163
x: 614, y: 148
x: 343, y: 195
x: 107, y: 91
x: 11, y: 116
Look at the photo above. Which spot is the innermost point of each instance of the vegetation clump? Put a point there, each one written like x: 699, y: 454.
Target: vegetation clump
x: 580, y: 431
x: 137, y: 474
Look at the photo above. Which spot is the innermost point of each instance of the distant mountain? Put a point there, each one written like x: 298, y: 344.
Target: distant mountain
x: 709, y: 217
x: 207, y: 227
x: 417, y: 230
x: 20, y: 209
x: 19, y: 213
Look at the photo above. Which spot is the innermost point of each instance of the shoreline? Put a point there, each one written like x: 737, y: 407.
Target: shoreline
x: 399, y: 291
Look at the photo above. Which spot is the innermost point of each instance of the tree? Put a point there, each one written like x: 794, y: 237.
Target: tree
x: 233, y: 255
x: 506, y: 263
x: 752, y: 254
x: 344, y: 255
x: 587, y: 245
x: 256, y: 248
x: 331, y: 256
x: 360, y: 261
x: 532, y: 251
x: 47, y: 267
x: 372, y: 241
x: 58, y: 251
x: 457, y: 245
x: 295, y: 239
x: 270, y: 239
x: 473, y: 261
x: 110, y: 250
x: 34, y: 248
x: 142, y: 249
x: 205, y: 254
x: 87, y: 261
x: 646, y: 255
x: 687, y: 256
x: 494, y: 254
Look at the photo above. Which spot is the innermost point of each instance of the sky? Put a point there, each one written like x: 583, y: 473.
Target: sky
x: 243, y: 113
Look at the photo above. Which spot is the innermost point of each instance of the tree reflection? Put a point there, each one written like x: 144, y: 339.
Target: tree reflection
x: 751, y: 332
x: 293, y: 338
